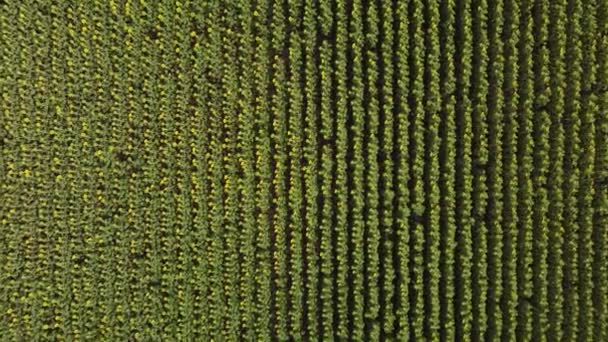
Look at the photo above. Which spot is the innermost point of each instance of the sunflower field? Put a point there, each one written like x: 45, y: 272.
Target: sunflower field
x: 299, y: 170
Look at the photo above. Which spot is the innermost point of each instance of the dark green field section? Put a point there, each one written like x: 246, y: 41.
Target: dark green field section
x: 276, y: 170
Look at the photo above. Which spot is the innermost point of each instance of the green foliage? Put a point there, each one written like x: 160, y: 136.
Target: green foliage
x: 370, y: 211
x: 601, y: 196
x: 479, y: 162
x: 572, y: 153
x: 447, y: 176
x: 509, y: 172
x: 341, y: 226
x: 464, y: 176
x: 416, y: 153
x: 387, y: 178
x: 303, y: 170
x: 556, y: 177
x: 524, y: 171
x: 402, y: 184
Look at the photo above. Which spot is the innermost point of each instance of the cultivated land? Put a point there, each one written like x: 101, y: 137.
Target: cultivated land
x: 304, y: 170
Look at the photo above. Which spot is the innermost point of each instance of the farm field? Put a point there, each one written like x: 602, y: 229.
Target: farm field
x: 265, y: 170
